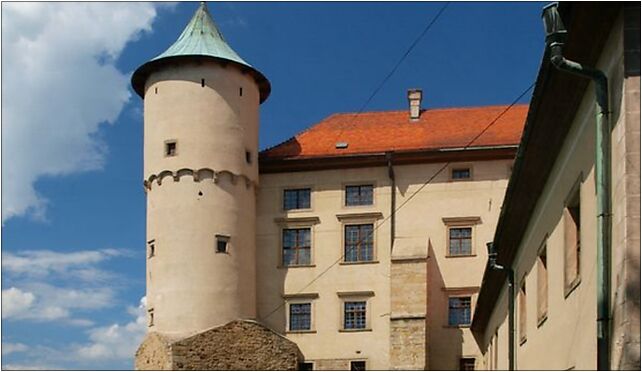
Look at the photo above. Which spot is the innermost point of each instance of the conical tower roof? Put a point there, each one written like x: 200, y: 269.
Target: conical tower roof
x: 200, y: 39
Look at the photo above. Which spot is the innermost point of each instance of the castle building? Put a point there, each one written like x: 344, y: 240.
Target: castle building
x: 357, y: 244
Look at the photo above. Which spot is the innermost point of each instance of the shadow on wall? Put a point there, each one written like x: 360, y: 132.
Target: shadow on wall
x: 444, y: 341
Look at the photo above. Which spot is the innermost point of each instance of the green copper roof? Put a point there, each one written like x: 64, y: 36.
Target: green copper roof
x: 201, y: 38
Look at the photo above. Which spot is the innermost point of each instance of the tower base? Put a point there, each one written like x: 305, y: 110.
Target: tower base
x: 238, y: 345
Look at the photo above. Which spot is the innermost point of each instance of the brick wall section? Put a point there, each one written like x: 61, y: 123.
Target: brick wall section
x: 408, y: 297
x: 238, y: 345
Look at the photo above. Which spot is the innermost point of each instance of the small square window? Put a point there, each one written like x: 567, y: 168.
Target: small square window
x: 359, y: 195
x: 221, y: 243
x: 151, y: 248
x: 170, y: 148
x: 301, y: 317
x: 467, y: 364
x: 460, y: 241
x: 358, y: 365
x: 306, y: 366
x: 354, y: 315
x: 296, y: 199
x: 459, y: 311
x: 460, y: 173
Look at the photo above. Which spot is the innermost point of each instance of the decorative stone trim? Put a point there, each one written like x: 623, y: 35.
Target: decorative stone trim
x: 473, y: 220
x: 356, y: 294
x: 300, y: 295
x: 197, y: 176
x: 360, y: 216
x: 408, y: 259
x: 408, y: 317
x: 297, y: 220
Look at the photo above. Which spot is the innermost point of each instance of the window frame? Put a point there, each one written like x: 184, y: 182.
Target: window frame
x: 455, y: 167
x: 364, y: 361
x: 282, y: 246
x: 296, y: 188
x: 360, y: 243
x: 542, y: 283
x: 450, y: 251
x: 463, y: 359
x: 344, y: 194
x: 470, y: 310
x: 296, y: 299
x: 166, y: 144
x: 458, y: 223
x: 346, y: 297
x: 218, y: 238
x: 573, y: 201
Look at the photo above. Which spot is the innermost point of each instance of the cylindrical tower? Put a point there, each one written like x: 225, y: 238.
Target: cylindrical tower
x: 201, y: 104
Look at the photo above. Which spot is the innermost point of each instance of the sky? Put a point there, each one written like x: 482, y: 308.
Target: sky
x: 73, y: 204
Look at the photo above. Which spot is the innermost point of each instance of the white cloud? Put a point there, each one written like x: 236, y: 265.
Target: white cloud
x: 116, y: 341
x: 10, y: 348
x: 59, y: 85
x: 16, y: 302
x: 79, y: 264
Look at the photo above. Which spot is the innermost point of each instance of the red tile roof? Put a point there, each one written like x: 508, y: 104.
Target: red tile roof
x: 376, y: 132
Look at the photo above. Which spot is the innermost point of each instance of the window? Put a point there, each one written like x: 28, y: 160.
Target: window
x: 202, y: 82
x: 359, y: 195
x: 296, y: 199
x: 542, y: 286
x: 151, y: 248
x: 151, y: 317
x: 358, y: 365
x: 522, y: 312
x: 306, y: 366
x: 467, y: 364
x: 221, y: 243
x: 460, y: 174
x: 358, y: 243
x: 572, y: 246
x: 354, y: 315
x: 460, y: 241
x: 300, y: 317
x: 170, y: 148
x: 296, y: 247
x: 248, y: 157
x: 240, y: 91
x: 459, y: 311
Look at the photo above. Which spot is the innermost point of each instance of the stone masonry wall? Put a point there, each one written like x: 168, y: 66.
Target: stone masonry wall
x: 408, y: 296
x: 238, y: 345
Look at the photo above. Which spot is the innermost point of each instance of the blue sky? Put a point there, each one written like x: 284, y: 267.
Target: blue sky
x: 73, y: 206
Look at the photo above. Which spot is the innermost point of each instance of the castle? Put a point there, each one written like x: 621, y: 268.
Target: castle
x: 358, y: 244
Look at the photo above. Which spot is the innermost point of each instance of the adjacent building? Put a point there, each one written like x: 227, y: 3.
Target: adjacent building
x: 554, y: 223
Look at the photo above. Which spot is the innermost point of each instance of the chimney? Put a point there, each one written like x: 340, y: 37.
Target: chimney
x: 414, y: 99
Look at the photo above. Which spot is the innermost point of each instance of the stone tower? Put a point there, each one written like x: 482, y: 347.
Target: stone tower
x: 201, y: 108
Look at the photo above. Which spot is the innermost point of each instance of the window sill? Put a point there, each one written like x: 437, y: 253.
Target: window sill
x: 307, y: 331
x: 460, y: 255
x: 301, y: 210
x: 356, y: 330
x: 571, y: 288
x: 358, y: 262
x: 457, y: 326
x: 542, y: 320
x: 295, y: 266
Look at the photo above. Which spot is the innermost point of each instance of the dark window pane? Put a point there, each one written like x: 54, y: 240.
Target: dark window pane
x: 359, y: 195
x: 358, y: 365
x: 296, y: 199
x: 296, y: 247
x: 358, y: 242
x: 300, y: 315
x: 458, y: 311
x: 460, y: 242
x: 467, y: 364
x: 461, y: 173
x: 355, y: 315
x: 306, y: 366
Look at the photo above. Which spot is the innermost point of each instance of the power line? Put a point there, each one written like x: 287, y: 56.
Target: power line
x: 470, y: 143
x: 394, y: 69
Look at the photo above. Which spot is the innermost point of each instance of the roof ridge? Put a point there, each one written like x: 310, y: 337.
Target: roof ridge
x: 453, y: 108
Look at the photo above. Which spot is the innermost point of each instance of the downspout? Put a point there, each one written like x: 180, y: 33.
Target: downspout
x: 393, y: 199
x: 510, y: 273
x: 603, y: 190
